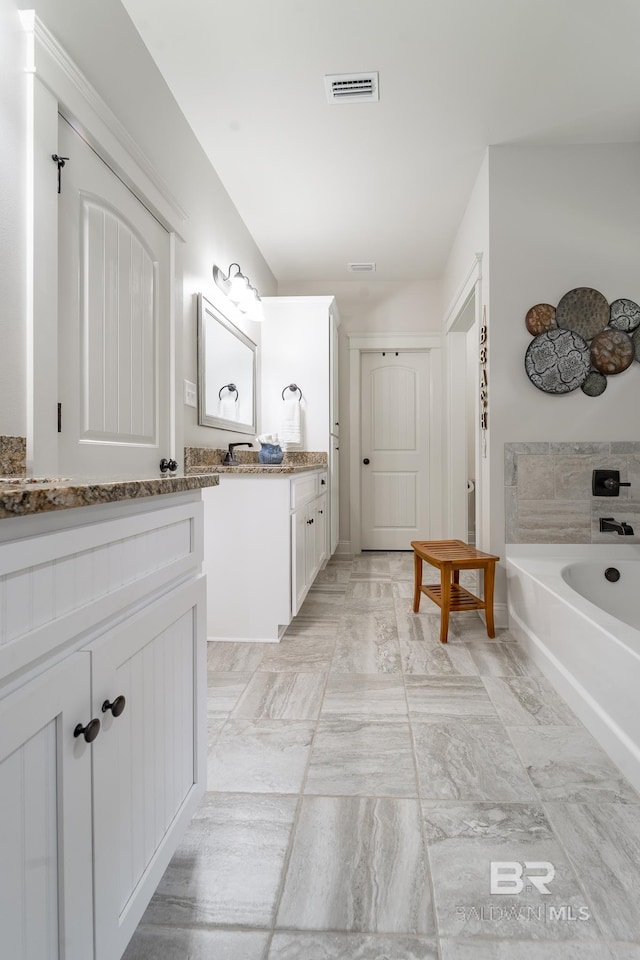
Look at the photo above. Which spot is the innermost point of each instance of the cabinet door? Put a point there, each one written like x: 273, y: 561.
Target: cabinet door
x: 321, y: 531
x: 46, y: 906
x: 149, y: 768
x: 298, y: 559
x: 334, y: 410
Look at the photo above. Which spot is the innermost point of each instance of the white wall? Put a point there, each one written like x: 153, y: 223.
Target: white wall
x: 12, y: 223
x: 102, y: 41
x: 560, y: 217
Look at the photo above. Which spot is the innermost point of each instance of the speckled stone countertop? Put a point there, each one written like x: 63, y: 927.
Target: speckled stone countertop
x: 200, y: 460
x: 25, y: 496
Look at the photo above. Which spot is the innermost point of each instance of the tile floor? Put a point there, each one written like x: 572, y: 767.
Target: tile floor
x: 362, y: 779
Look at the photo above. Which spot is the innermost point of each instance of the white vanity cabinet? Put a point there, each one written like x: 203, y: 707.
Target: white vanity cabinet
x: 300, y: 345
x: 91, y: 612
x: 265, y: 542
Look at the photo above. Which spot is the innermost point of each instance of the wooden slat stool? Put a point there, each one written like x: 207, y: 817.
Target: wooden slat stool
x: 452, y: 556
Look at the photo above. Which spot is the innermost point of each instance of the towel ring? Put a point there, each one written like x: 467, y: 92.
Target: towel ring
x: 231, y: 387
x: 293, y: 387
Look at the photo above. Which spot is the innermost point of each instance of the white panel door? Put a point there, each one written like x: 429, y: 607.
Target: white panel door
x: 113, y: 376
x: 395, y: 448
x: 46, y: 904
x: 151, y: 767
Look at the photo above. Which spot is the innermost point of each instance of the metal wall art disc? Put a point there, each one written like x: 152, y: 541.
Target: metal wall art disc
x: 595, y: 384
x: 583, y: 310
x: 635, y: 339
x: 612, y: 351
x: 624, y: 315
x: 557, y: 361
x: 540, y: 318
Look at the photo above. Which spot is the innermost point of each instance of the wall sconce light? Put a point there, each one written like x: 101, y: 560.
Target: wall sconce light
x: 238, y: 289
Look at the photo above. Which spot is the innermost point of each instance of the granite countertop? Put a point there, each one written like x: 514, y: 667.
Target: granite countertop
x: 25, y: 496
x: 201, y: 460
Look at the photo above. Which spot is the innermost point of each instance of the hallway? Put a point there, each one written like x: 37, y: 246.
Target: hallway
x: 363, y: 779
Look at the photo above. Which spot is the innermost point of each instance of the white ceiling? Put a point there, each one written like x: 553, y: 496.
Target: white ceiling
x: 319, y: 185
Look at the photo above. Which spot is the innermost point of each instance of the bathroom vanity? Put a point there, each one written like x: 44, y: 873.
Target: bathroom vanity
x: 102, y: 705
x: 266, y: 538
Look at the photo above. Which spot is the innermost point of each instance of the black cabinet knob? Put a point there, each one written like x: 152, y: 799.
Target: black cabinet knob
x: 320, y: 512
x: 171, y: 465
x: 116, y: 706
x: 310, y: 521
x: 90, y: 732
x: 323, y: 482
x: 366, y: 461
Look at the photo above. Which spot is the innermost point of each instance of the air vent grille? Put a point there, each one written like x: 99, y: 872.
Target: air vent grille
x: 351, y: 87
x: 361, y: 267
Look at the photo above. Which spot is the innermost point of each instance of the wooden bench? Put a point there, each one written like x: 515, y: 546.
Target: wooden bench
x: 452, y: 556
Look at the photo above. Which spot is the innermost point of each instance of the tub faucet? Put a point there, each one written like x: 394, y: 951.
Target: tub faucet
x: 230, y: 457
x: 609, y: 525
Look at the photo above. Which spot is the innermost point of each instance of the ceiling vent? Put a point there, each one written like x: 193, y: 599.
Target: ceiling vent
x: 361, y: 267
x: 351, y: 87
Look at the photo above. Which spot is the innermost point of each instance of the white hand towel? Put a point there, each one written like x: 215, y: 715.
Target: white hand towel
x: 291, y: 430
x: 228, y: 408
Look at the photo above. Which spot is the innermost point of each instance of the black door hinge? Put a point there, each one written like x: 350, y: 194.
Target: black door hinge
x: 61, y: 162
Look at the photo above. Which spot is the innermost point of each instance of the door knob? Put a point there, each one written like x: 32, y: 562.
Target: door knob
x: 89, y: 732
x: 116, y: 706
x: 366, y: 461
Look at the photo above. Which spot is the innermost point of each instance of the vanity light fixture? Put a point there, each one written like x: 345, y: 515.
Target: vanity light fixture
x: 238, y: 289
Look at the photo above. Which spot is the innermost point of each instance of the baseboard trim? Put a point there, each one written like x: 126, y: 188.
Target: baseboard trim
x: 343, y: 548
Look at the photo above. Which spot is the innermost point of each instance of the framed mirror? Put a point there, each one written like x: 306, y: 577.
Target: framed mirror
x: 226, y: 372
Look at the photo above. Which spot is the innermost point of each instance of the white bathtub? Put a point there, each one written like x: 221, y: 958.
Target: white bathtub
x: 584, y: 634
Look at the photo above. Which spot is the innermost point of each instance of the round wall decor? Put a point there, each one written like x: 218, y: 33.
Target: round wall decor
x: 612, y: 351
x: 624, y: 315
x: 583, y: 310
x: 557, y: 361
x: 595, y: 384
x: 540, y: 318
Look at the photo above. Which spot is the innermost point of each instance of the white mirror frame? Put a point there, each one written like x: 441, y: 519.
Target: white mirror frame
x: 208, y: 312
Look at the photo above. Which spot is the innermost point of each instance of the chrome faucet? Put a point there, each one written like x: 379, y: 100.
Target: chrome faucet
x: 230, y: 457
x: 609, y: 525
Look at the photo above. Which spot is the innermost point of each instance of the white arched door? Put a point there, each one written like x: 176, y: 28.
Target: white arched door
x: 395, y: 449
x: 113, y: 329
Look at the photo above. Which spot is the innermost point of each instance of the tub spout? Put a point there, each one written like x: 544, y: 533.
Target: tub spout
x: 609, y: 525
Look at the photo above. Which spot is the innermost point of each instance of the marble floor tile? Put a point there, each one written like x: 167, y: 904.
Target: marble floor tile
x: 357, y: 865
x: 370, y: 566
x: 335, y: 573
x: 434, y: 659
x: 362, y: 695
x: 403, y: 589
x: 228, y: 657
x: 282, y: 696
x: 369, y: 758
x: 401, y: 566
x: 496, y: 659
x: 214, y: 727
x: 449, y: 698
x: 227, y: 869
x: 603, y: 843
x: 510, y: 949
x: 463, y: 760
x: 260, y: 756
x: 370, y: 590
x: 301, y: 654
x: 464, y: 839
x: 350, y: 946
x: 322, y: 606
x: 223, y: 692
x: 625, y: 951
x: 367, y: 643
x: 528, y: 702
x: 566, y: 763
x: 311, y: 628
x: 183, y: 943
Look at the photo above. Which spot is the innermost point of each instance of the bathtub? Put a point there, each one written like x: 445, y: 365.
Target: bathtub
x: 584, y: 634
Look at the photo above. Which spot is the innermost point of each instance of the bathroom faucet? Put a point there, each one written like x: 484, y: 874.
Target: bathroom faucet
x: 609, y: 525
x: 230, y: 457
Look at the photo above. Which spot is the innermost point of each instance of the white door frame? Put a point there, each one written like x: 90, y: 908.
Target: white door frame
x: 55, y: 86
x: 457, y: 411
x: 360, y: 343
